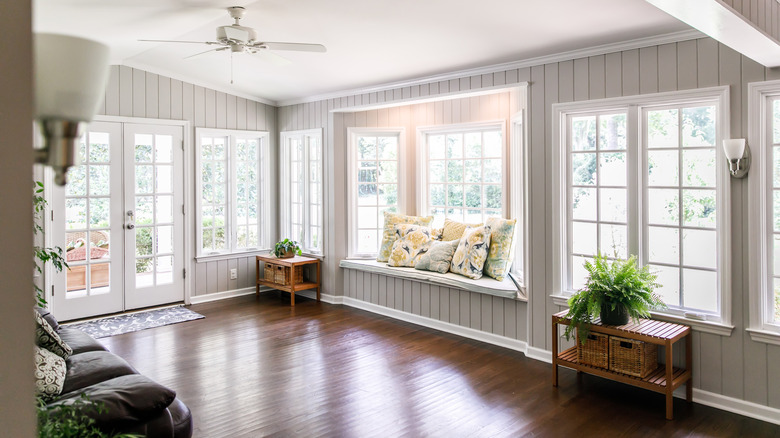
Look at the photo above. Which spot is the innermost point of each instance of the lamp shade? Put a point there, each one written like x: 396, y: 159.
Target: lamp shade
x: 70, y: 77
x: 734, y: 148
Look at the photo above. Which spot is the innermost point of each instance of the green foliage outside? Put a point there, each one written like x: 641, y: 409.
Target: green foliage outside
x: 43, y: 254
x: 615, y: 283
x: 71, y: 420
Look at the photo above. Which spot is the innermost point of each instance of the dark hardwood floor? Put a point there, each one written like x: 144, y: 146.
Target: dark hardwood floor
x: 257, y: 367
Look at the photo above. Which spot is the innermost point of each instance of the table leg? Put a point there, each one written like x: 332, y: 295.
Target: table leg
x: 669, y: 368
x: 257, y: 277
x: 292, y: 292
x: 319, y: 281
x: 554, y: 351
x: 689, y: 367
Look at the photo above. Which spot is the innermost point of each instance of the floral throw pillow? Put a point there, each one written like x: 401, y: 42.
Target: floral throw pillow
x: 46, y: 337
x: 469, y: 258
x: 50, y: 373
x: 454, y: 230
x: 412, y: 242
x: 438, y: 257
x: 502, y: 247
x: 388, y: 234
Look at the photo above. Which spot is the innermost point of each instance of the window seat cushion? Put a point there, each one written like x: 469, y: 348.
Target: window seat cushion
x: 486, y: 285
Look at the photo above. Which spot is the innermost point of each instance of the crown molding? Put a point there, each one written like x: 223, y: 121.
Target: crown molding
x: 530, y: 62
x: 198, y: 82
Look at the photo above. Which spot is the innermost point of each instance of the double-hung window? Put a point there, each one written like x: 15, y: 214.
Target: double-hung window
x: 375, y: 185
x: 642, y: 176
x: 301, y: 191
x: 764, y: 211
x: 462, y: 172
x: 232, y: 191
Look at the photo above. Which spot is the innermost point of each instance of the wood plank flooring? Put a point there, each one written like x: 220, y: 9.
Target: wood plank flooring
x: 257, y: 367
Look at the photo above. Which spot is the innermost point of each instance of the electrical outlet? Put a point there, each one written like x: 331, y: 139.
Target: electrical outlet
x: 233, y: 274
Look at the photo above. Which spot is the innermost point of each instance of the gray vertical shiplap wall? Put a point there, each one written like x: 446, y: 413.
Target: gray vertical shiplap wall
x: 764, y: 14
x: 734, y: 366
x: 136, y: 93
x: 487, y: 313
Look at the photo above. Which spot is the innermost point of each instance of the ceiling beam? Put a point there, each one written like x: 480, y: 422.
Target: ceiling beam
x: 720, y: 21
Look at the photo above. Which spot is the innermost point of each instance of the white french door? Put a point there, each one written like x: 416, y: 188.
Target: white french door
x: 120, y: 221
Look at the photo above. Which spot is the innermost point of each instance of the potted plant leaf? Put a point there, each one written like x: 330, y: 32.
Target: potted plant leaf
x: 286, y: 248
x: 615, y: 291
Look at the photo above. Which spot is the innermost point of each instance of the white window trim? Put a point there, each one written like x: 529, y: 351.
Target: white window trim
x: 634, y: 105
x: 422, y: 158
x: 352, y: 136
x: 759, y: 210
x: 263, y: 192
x: 517, y: 171
x: 284, y: 176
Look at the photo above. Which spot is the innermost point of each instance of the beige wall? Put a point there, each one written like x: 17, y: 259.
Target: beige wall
x: 17, y: 415
x: 734, y: 366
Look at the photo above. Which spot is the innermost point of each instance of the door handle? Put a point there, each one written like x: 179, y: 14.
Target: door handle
x: 130, y: 226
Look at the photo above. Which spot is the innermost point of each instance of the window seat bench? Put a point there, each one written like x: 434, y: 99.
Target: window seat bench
x: 486, y: 285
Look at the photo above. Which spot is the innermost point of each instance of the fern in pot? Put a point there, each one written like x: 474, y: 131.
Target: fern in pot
x: 614, y: 291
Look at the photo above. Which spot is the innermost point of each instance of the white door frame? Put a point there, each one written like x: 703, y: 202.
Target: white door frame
x: 188, y: 167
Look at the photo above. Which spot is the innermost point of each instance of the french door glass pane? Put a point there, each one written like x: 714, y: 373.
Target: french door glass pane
x: 154, y: 210
x: 87, y: 219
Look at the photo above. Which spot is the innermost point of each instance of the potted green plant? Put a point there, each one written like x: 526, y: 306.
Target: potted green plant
x: 286, y: 248
x: 615, y: 291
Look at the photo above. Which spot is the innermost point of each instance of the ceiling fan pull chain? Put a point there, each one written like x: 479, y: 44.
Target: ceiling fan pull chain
x: 231, y: 68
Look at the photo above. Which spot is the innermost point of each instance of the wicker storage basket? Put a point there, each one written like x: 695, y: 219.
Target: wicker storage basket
x: 268, y: 272
x: 282, y: 275
x: 595, y: 350
x: 635, y: 358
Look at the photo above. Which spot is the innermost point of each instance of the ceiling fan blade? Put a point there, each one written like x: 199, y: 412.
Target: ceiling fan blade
x: 218, y: 49
x: 177, y: 41
x: 299, y: 47
x: 271, y: 57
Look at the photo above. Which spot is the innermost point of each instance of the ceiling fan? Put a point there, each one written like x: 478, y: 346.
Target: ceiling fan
x: 242, y: 39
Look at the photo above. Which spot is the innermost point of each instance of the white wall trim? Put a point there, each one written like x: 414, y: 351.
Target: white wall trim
x: 325, y: 298
x: 530, y: 62
x: 466, y: 332
x: 737, y: 406
x: 539, y: 354
x: 197, y: 299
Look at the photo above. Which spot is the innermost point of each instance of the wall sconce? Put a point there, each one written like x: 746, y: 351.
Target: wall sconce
x: 70, y: 80
x: 738, y: 154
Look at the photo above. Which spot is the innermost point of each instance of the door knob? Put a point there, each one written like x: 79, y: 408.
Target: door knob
x: 130, y: 226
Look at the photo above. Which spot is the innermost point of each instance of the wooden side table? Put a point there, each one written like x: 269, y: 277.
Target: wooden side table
x: 291, y: 264
x: 665, y: 379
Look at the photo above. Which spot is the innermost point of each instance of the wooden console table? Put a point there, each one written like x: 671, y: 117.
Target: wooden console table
x: 291, y: 263
x: 665, y: 379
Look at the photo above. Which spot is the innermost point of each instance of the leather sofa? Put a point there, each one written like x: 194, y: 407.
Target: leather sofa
x: 134, y: 403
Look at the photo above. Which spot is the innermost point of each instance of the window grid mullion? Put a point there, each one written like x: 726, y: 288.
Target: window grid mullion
x: 680, y: 208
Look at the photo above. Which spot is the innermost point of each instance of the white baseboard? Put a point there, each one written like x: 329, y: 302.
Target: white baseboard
x: 466, y: 332
x: 327, y: 298
x: 737, y: 406
x: 197, y: 299
x: 539, y: 354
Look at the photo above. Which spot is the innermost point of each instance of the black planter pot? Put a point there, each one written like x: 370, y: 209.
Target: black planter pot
x: 619, y: 316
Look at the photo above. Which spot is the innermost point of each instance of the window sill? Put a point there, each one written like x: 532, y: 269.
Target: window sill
x: 229, y: 255
x: 712, y: 327
x: 765, y: 336
x: 485, y: 285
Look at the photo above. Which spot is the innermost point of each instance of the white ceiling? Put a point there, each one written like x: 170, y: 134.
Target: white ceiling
x: 369, y: 42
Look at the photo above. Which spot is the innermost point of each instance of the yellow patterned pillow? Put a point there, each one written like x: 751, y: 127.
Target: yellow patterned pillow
x: 469, y: 258
x: 454, y: 230
x: 502, y: 247
x: 388, y: 235
x: 411, y: 244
